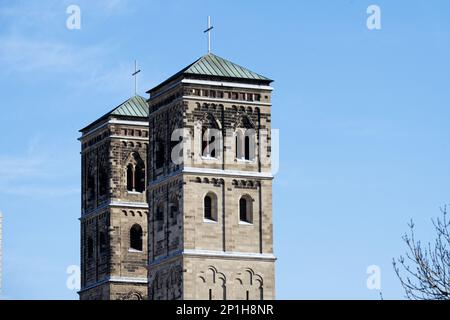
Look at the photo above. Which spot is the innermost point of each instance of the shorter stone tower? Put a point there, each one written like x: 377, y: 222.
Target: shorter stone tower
x: 114, y: 205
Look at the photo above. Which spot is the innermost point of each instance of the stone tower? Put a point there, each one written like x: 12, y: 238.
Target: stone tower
x: 210, y: 215
x: 114, y: 212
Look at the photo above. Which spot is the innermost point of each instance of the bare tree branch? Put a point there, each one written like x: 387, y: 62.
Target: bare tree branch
x: 424, y: 272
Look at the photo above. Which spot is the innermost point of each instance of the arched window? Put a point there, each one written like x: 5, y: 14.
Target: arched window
x: 245, y: 209
x: 210, y: 207
x: 130, y: 177
x: 245, y: 139
x: 245, y: 144
x: 136, y: 237
x: 136, y: 174
x: 90, y: 248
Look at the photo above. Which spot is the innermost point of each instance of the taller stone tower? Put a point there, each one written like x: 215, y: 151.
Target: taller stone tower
x: 210, y: 214
x: 114, y: 204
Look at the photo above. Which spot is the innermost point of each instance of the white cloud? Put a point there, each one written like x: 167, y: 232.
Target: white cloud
x: 15, y: 168
x: 20, y: 54
x: 79, y: 67
x: 31, y: 45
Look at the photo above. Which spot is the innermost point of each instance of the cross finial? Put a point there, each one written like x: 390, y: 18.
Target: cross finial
x: 208, y: 30
x: 135, y: 73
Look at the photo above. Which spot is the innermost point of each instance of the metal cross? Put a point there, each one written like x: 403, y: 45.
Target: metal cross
x: 135, y: 73
x: 208, y: 30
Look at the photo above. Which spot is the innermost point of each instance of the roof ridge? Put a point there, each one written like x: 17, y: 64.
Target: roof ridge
x: 135, y: 106
x: 212, y: 64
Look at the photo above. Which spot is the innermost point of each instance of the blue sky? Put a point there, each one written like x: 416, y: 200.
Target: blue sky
x: 363, y: 118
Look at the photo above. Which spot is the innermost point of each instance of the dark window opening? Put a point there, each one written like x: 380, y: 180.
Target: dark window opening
x: 208, y: 208
x: 173, y: 211
x: 159, y: 213
x: 243, y: 210
x: 103, y: 180
x: 130, y: 177
x: 140, y: 177
x: 136, y: 237
x: 247, y: 148
x: 90, y: 248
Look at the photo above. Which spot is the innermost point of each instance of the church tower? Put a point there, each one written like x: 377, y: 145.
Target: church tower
x: 114, y: 205
x: 210, y: 202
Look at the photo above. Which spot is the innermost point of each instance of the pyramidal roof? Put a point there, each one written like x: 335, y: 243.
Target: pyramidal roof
x: 215, y: 66
x: 133, y: 107
x: 212, y: 65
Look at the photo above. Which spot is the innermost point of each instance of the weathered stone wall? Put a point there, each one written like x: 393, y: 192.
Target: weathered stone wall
x: 127, y: 262
x: 165, y: 218
x: 128, y: 291
x: 116, y: 291
x: 129, y: 144
x: 228, y: 116
x: 191, y: 257
x: 95, y: 256
x: 110, y: 210
x: 228, y: 233
x: 166, y: 279
x: 101, y: 292
x: 219, y: 278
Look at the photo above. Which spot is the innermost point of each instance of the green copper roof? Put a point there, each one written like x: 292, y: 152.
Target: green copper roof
x: 212, y: 65
x: 133, y: 107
